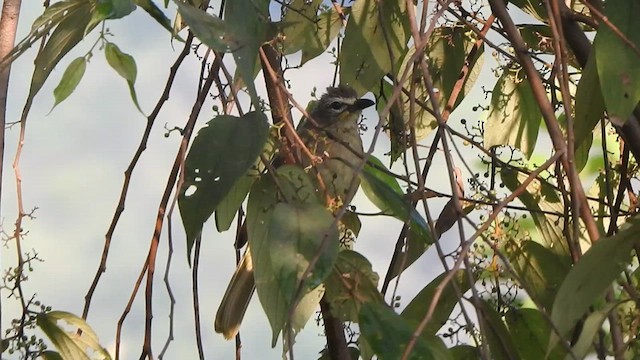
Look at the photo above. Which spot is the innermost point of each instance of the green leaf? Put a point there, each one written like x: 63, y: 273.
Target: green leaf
x: 540, y: 197
x: 419, y: 305
x: 51, y: 355
x: 155, y: 12
x: 385, y: 193
x: 532, y: 7
x: 414, y: 248
x: 498, y: 337
x: 221, y: 153
x: 387, y: 333
x: 590, y: 277
x: 589, y: 106
x: 326, y: 30
x: 297, y: 23
x: 125, y: 66
x: 371, y: 52
x: 514, y: 116
x: 530, y: 331
x: 351, y: 284
x: 65, y: 37
x: 115, y: 9
x: 618, y: 65
x: 296, y: 188
x: 446, y: 53
x: 541, y: 270
x: 70, y: 80
x: 248, y: 20
x: 228, y: 208
x: 465, y: 352
x: 590, y: 328
x: 70, y: 345
x: 209, y: 29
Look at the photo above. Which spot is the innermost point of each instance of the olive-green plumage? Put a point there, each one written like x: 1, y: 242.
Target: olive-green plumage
x: 333, y: 136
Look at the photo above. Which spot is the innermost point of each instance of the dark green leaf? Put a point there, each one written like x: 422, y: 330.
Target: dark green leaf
x: 465, y: 352
x: 214, y: 163
x: 370, y: 48
x: 70, y: 345
x: 70, y: 80
x: 228, y: 207
x: 152, y: 9
x: 115, y: 9
x: 590, y: 277
x: 419, y: 306
x: 589, y: 104
x: 499, y: 339
x: 414, y: 248
x: 541, y: 270
x: 618, y: 64
x: 352, y: 222
x: 351, y: 284
x: 530, y: 334
x: 51, y: 355
x: 387, y: 333
x: 295, y: 186
x: 66, y: 35
x: 383, y: 191
x: 247, y: 19
x: 514, y: 116
x: 210, y: 29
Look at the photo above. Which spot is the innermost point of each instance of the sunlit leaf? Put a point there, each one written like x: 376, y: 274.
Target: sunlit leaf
x: 69, y: 344
x: 541, y: 199
x: 70, y: 80
x: 514, y: 116
x: 419, y: 305
x: 541, y: 270
x: 351, y: 284
x: 618, y: 65
x: 372, y: 52
x: 215, y: 162
x: 590, y: 277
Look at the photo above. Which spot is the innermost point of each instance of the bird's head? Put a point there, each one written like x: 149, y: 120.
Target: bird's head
x: 339, y: 104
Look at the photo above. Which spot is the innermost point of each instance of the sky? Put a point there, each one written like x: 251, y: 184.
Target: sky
x: 72, y: 170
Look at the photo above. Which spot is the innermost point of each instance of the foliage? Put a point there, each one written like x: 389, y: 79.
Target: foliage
x: 541, y: 266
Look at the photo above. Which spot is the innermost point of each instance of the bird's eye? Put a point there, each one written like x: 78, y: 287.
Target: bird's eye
x: 336, y: 105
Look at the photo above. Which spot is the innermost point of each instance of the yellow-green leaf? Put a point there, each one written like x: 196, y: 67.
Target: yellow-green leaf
x: 70, y: 80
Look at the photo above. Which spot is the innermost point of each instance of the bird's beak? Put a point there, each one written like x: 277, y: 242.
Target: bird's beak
x: 362, y: 104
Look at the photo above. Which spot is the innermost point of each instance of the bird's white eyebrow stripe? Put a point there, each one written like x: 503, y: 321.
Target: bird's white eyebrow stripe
x: 344, y: 100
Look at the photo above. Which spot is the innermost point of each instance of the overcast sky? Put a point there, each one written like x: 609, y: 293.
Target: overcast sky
x: 72, y: 170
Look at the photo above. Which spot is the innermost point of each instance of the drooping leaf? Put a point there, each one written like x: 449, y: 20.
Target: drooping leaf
x: 296, y: 188
x: 387, y: 333
x: 419, y: 305
x: 591, y: 326
x: 382, y: 190
x: 248, y: 20
x: 589, y: 106
x: 514, y: 116
x: 69, y: 344
x: 590, y: 277
x: 530, y: 331
x: 227, y: 209
x: 351, y: 284
x: 541, y: 270
x: 372, y: 51
x: 115, y: 9
x: 221, y: 153
x: 209, y: 29
x: 67, y: 35
x: 618, y: 64
x: 125, y: 66
x: 542, y: 201
x: 498, y: 337
x: 70, y: 80
x: 156, y: 13
x: 414, y: 247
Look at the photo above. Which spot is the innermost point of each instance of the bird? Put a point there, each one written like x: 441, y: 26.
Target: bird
x: 332, y: 134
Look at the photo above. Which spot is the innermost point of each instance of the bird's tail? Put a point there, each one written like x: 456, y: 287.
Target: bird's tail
x: 236, y: 299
